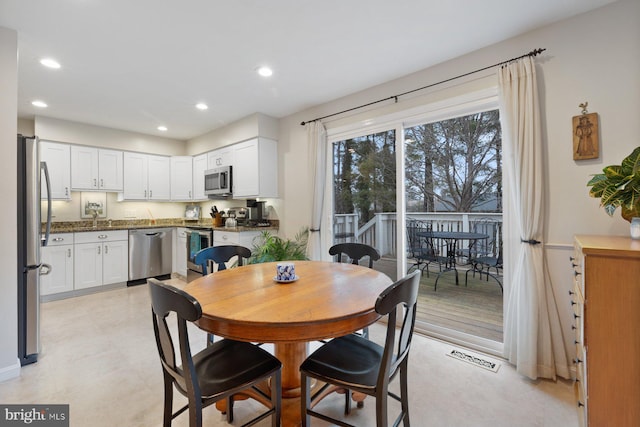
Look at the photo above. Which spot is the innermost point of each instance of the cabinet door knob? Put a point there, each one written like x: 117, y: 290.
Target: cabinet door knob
x: 68, y: 253
x: 106, y: 249
x: 102, y: 236
x: 99, y: 250
x: 95, y: 182
x: 101, y: 182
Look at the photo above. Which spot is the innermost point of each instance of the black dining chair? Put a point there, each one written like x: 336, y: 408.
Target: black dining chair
x: 220, y: 255
x: 360, y: 365
x: 354, y: 253
x: 218, y: 372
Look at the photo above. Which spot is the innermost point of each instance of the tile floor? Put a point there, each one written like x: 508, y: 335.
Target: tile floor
x: 99, y: 356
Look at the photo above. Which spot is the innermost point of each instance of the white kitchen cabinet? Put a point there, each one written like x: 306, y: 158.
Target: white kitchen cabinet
x: 146, y: 177
x: 242, y: 238
x: 255, y: 168
x: 96, y: 169
x: 180, y: 253
x: 220, y: 157
x: 101, y: 258
x: 199, y: 166
x: 182, y: 178
x: 58, y: 159
x: 59, y: 255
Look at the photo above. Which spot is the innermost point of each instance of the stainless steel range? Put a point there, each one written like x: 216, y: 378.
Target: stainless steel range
x: 197, y: 238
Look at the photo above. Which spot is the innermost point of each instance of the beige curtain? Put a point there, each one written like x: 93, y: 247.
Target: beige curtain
x: 317, y: 136
x: 533, y: 339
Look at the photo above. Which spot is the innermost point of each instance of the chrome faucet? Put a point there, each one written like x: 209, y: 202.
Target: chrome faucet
x: 94, y: 214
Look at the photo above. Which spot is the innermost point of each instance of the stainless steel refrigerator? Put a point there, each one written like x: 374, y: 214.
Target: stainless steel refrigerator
x: 31, y: 173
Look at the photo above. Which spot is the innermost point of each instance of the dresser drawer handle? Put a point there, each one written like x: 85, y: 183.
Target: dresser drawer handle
x: 102, y: 236
x: 58, y: 239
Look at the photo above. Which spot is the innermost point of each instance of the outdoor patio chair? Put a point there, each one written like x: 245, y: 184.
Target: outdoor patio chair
x: 486, y: 253
x: 423, y: 251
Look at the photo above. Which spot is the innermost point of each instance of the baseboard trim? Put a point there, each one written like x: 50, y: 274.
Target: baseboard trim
x: 10, y: 372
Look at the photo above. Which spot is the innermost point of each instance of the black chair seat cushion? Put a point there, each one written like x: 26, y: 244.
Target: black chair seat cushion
x: 349, y: 361
x: 229, y: 364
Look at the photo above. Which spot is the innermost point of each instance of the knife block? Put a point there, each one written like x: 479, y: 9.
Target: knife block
x: 217, y: 220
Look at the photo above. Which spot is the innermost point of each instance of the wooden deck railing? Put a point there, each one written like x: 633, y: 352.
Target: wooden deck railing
x: 380, y: 231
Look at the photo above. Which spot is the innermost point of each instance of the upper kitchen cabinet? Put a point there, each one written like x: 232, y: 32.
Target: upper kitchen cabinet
x: 96, y: 169
x: 255, y: 168
x: 199, y: 166
x: 58, y: 159
x: 182, y: 178
x: 220, y: 157
x: 146, y: 177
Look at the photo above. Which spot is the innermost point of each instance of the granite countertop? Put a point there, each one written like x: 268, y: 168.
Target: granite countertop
x: 102, y: 225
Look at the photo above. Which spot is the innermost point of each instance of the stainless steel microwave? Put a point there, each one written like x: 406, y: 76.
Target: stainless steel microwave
x: 217, y: 181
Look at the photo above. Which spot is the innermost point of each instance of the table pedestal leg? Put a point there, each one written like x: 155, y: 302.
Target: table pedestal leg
x: 291, y: 355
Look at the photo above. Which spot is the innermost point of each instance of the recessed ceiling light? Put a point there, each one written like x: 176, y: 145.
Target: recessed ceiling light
x: 265, y: 71
x: 40, y: 104
x: 162, y: 128
x: 202, y: 106
x: 51, y: 63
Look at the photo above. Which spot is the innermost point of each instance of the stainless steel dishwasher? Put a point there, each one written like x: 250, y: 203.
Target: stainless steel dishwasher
x: 149, y: 253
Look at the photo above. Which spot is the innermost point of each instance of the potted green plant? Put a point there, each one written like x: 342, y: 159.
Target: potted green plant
x: 619, y: 185
x: 269, y: 247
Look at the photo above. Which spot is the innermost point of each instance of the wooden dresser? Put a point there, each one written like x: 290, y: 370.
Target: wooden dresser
x: 606, y: 304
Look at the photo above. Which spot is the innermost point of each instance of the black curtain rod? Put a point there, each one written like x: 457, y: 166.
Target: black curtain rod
x: 395, y: 97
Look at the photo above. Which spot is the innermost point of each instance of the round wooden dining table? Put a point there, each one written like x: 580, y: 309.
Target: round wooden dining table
x: 327, y: 300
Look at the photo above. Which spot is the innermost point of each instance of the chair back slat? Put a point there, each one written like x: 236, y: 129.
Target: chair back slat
x: 221, y: 255
x: 402, y: 295
x: 355, y: 252
x: 166, y: 299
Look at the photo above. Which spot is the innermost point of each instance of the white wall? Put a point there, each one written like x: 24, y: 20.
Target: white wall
x: 84, y: 134
x: 593, y: 57
x: 241, y: 130
x: 9, y: 364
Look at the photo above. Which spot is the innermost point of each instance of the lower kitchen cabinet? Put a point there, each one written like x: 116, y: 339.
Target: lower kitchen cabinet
x: 180, y: 254
x: 606, y: 304
x: 101, y: 258
x: 242, y: 238
x: 59, y: 255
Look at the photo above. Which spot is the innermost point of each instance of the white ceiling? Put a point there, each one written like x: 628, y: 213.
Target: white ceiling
x: 138, y: 64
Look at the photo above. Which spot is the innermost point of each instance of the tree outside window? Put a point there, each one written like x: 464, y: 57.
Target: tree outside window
x: 455, y: 165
